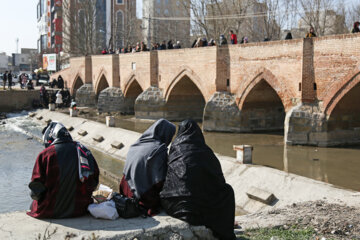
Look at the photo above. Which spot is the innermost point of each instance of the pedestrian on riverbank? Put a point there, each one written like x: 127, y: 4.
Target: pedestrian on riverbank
x: 59, y: 100
x: 146, y: 164
x: 43, y: 96
x: 10, y: 77
x: 60, y: 82
x: 195, y: 190
x: 64, y: 176
x: 5, y: 77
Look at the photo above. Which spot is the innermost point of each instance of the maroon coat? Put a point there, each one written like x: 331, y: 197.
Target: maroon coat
x: 66, y: 196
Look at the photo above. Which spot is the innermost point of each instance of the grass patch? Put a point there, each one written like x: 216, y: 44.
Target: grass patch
x: 292, y: 233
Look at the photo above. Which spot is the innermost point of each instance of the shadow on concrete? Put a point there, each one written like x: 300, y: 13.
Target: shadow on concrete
x: 89, y: 223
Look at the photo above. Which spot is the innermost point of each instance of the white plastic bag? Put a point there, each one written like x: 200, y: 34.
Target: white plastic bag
x: 105, y: 210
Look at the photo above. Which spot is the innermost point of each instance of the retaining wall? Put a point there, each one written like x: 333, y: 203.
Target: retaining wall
x: 14, y: 100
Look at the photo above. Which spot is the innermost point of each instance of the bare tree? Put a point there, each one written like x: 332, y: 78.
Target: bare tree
x: 323, y: 16
x: 353, y: 15
x: 83, y: 33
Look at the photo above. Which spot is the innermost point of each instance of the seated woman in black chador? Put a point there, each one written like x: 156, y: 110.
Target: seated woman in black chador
x: 195, y: 189
x: 146, y: 165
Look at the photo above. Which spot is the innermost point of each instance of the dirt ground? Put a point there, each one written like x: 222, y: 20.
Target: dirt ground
x: 331, y: 221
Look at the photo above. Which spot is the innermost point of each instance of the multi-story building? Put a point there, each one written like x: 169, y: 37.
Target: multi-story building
x: 165, y: 20
x: 25, y: 61
x: 114, y: 25
x: 63, y: 26
x: 4, y: 62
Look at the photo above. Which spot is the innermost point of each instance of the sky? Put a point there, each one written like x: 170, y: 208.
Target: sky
x: 18, y: 20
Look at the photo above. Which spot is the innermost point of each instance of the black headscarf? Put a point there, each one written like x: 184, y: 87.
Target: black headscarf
x: 193, y: 168
x: 146, y: 160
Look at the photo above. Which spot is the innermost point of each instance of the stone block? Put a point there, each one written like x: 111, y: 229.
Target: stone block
x: 39, y: 117
x: 98, y: 138
x: 47, y: 121
x: 117, y: 145
x: 32, y: 114
x: 52, y: 106
x: 260, y: 195
x: 70, y: 128
x: 243, y: 153
x: 110, y: 121
x: 82, y: 132
x: 318, y: 137
x: 73, y: 112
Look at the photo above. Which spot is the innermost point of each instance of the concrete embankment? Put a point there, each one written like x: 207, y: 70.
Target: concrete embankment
x: 256, y: 188
x: 19, y: 226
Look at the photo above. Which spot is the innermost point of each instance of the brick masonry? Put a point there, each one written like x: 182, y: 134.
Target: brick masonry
x: 301, y: 73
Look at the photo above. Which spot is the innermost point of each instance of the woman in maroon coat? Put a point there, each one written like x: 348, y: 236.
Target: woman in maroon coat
x: 64, y: 176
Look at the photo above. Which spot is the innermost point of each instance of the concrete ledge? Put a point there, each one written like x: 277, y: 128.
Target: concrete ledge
x: 158, y: 227
x: 82, y: 132
x: 98, y: 138
x: 117, y: 145
x: 260, y: 195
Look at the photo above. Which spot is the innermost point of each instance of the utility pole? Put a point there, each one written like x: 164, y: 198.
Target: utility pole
x: 17, y: 45
x: 149, y: 32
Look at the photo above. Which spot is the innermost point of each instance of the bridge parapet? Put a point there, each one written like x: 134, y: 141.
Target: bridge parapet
x: 247, y: 87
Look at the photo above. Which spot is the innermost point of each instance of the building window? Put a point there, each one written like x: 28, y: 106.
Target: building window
x: 119, y: 29
x: 119, y: 1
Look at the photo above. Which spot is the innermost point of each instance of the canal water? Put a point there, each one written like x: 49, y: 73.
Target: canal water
x: 18, y: 151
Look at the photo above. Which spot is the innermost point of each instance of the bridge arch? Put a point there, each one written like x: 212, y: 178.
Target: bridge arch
x: 185, y: 72
x: 340, y: 90
x: 132, y: 87
x: 343, y: 108
x: 184, y: 98
x: 102, y: 84
x: 76, y: 84
x: 267, y: 76
x: 262, y: 108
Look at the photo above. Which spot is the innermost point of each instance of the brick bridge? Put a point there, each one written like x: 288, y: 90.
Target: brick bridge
x: 308, y: 87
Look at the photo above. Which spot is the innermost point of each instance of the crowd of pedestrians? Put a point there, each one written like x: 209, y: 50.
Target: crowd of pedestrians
x: 203, y: 42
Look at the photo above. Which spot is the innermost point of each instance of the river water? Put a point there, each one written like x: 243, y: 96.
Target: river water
x: 18, y: 151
